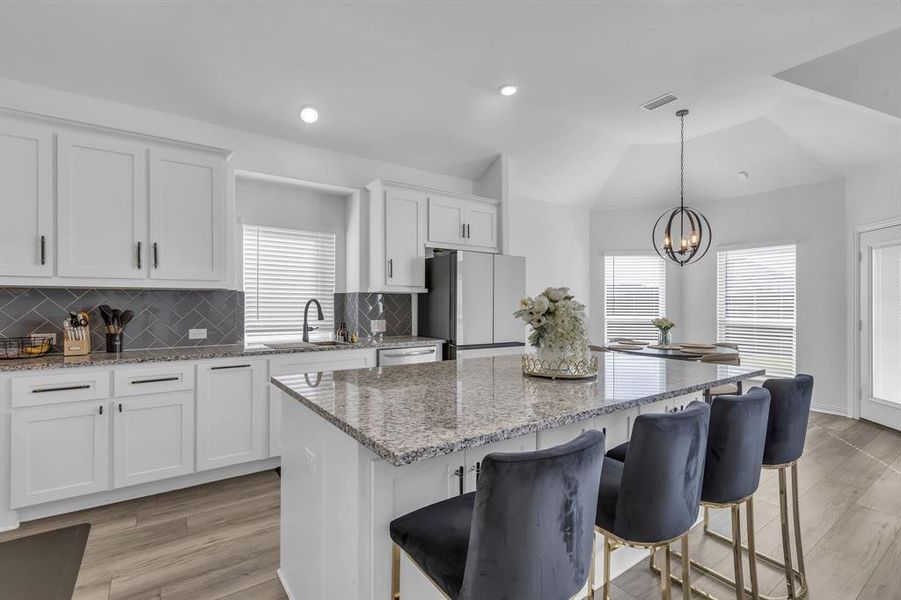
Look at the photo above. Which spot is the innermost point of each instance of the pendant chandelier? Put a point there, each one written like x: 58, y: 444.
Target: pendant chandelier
x: 682, y: 234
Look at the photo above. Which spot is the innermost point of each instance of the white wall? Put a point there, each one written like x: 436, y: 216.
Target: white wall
x: 554, y: 240
x: 627, y: 231
x: 811, y: 216
x: 292, y: 206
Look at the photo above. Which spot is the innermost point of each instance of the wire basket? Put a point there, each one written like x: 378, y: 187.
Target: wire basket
x: 23, y: 347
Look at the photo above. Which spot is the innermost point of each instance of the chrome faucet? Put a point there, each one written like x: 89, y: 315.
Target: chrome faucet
x: 306, y: 309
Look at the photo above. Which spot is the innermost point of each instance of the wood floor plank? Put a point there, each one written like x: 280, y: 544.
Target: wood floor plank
x: 269, y: 590
x: 885, y: 582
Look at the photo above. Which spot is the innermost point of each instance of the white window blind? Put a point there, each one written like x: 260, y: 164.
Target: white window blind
x: 756, y: 306
x: 634, y: 295
x: 283, y: 268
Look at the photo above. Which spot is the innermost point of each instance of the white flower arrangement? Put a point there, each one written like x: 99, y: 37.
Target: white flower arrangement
x: 557, y: 320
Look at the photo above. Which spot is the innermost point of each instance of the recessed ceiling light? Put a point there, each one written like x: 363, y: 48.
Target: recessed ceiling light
x: 309, y: 114
x: 508, y: 89
x: 743, y: 175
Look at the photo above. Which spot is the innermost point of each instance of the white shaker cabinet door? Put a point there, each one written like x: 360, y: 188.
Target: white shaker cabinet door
x: 26, y: 199
x: 230, y: 419
x: 187, y: 216
x: 153, y: 437
x: 102, y: 207
x: 481, y: 224
x: 446, y: 220
x: 59, y: 452
x: 404, y: 239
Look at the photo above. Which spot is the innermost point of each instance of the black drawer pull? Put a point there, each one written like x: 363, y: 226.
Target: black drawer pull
x: 86, y: 386
x: 43, y: 250
x: 229, y: 367
x: 156, y: 380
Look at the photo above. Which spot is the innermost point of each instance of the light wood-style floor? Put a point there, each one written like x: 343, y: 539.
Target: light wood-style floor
x: 221, y: 540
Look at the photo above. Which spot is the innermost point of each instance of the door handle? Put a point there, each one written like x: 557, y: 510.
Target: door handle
x: 66, y: 388
x: 120, y: 407
x: 468, y: 231
x: 478, y: 471
x: 139, y: 255
x: 101, y: 409
x: 156, y: 258
x: 391, y: 268
x: 463, y: 227
x: 43, y: 250
x: 155, y: 380
x: 459, y: 473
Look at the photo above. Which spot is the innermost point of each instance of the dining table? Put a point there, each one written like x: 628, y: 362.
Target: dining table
x: 694, y: 353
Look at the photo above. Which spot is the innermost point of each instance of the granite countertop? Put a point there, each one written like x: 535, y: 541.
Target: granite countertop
x: 409, y: 413
x: 104, y: 359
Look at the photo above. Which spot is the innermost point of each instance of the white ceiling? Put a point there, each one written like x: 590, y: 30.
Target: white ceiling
x: 416, y: 84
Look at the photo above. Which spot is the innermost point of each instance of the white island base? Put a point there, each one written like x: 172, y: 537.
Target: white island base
x: 338, y: 498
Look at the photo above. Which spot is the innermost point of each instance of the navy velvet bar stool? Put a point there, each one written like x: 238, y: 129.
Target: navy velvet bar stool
x: 786, y: 433
x: 652, y: 498
x: 527, y: 532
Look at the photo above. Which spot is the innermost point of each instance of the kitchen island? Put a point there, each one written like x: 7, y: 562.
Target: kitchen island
x: 361, y: 447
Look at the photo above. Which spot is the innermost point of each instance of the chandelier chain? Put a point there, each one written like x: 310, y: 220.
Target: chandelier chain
x: 682, y: 162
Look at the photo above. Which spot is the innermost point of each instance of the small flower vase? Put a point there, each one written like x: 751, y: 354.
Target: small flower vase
x: 664, y: 337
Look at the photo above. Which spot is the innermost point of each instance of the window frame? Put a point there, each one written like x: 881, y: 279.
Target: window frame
x: 746, y: 356
x: 327, y: 299
x: 663, y: 295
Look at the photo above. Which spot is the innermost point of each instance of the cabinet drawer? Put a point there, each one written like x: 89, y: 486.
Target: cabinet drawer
x: 173, y: 377
x: 60, y: 387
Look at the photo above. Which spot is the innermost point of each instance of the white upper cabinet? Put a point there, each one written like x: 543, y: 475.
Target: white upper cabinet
x: 404, y: 245
x: 481, y: 224
x: 124, y: 210
x: 187, y: 216
x: 457, y: 222
x: 26, y: 198
x: 446, y: 220
x: 102, y: 207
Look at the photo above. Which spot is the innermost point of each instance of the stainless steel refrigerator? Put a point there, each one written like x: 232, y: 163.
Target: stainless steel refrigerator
x: 471, y: 300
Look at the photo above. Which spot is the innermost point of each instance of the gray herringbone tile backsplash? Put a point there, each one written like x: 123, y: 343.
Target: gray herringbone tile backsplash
x: 358, y: 310
x: 162, y: 317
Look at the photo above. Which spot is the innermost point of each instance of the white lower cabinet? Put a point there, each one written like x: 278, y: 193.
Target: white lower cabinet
x: 59, y: 451
x: 474, y: 456
x: 153, y: 437
x: 230, y: 413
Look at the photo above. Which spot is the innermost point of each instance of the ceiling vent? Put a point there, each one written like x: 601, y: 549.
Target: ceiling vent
x: 659, y: 101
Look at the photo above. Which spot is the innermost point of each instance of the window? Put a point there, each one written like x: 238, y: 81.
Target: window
x: 283, y: 268
x: 634, y: 295
x: 755, y: 294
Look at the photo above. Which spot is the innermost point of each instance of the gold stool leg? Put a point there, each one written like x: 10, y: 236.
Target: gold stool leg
x: 395, y: 572
x: 666, y: 584
x: 594, y: 542
x: 686, y: 569
x: 736, y: 553
x: 797, y: 518
x: 752, y: 549
x: 786, y: 540
x: 607, y: 551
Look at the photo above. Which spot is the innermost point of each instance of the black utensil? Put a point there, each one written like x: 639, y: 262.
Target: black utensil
x: 107, y: 313
x: 117, y: 316
x: 126, y: 317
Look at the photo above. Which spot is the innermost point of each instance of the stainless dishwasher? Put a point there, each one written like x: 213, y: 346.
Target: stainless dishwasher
x: 407, y: 356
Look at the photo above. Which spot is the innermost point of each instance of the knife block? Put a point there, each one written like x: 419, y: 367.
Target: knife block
x: 77, y: 347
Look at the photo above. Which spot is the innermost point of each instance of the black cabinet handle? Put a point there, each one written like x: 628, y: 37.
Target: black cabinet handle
x: 229, y: 367
x: 155, y: 380
x: 66, y: 388
x: 468, y: 231
x: 463, y: 233
x: 101, y: 409
x: 120, y: 407
x: 43, y: 250
x: 139, y: 255
x: 459, y: 473
x: 391, y: 267
x: 478, y: 470
x: 156, y: 258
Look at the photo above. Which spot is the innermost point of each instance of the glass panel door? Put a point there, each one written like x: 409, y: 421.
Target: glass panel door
x: 881, y: 326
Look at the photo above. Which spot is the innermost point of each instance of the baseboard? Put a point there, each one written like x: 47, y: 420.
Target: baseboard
x: 9, y: 527
x: 281, y: 578
x: 830, y: 410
